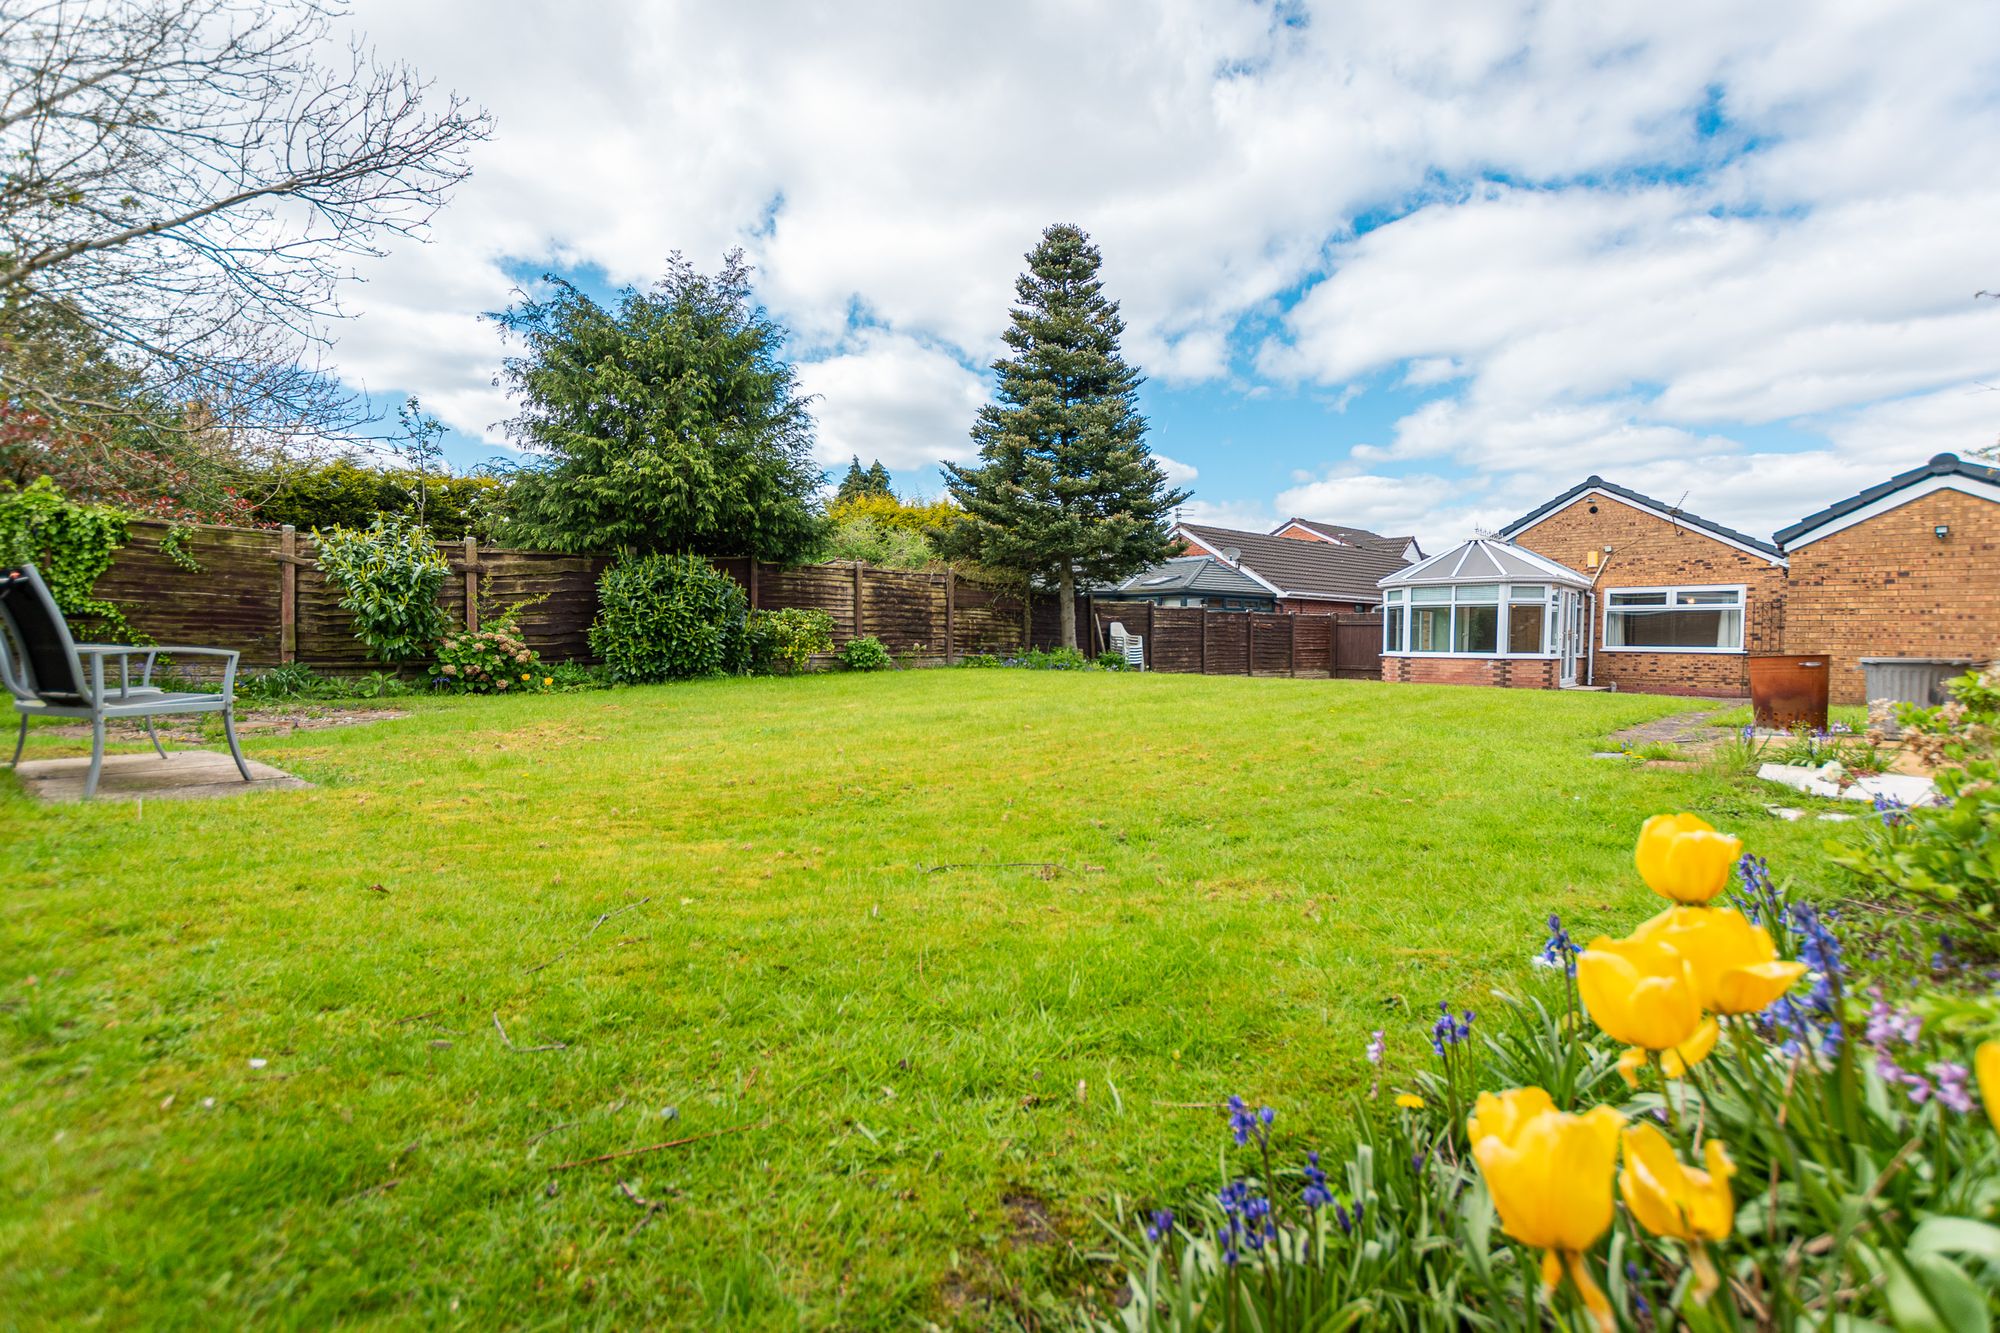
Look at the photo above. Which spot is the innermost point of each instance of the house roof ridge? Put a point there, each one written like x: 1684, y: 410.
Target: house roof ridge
x: 1595, y: 482
x: 1939, y: 465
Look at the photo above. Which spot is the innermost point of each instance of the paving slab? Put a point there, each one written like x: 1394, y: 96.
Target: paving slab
x: 183, y: 775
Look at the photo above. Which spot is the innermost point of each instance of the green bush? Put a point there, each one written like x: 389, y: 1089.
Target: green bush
x: 1947, y: 856
x: 296, y: 681
x: 70, y: 544
x: 1110, y: 661
x: 865, y: 654
x: 389, y: 575
x: 786, y: 640
x: 494, y: 659
x: 859, y: 537
x: 668, y: 617
x: 345, y: 493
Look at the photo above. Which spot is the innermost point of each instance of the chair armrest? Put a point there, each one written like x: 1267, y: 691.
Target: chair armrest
x: 97, y: 652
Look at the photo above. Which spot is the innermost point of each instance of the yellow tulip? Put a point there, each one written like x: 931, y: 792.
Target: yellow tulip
x: 1679, y: 1202
x: 1640, y: 991
x: 1682, y: 857
x: 1736, y: 966
x: 1986, y: 1064
x: 1550, y: 1173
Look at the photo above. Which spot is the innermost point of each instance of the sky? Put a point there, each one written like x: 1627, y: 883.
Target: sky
x: 1407, y: 266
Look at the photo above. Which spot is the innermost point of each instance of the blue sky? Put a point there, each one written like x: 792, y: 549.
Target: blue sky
x: 1409, y: 266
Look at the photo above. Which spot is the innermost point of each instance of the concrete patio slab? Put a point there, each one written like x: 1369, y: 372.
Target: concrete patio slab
x: 183, y: 775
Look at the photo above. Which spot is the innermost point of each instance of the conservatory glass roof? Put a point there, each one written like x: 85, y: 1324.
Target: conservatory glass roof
x: 1485, y: 560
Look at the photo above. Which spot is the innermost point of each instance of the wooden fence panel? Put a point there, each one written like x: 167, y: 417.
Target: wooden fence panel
x: 987, y: 619
x: 1273, y: 639
x: 1313, y: 646
x: 905, y: 610
x: 1175, y: 644
x: 1358, y: 647
x: 231, y: 602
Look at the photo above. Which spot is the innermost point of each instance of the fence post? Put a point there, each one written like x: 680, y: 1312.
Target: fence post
x: 1250, y: 643
x: 472, y: 583
x: 950, y: 616
x: 753, y: 583
x: 1292, y: 649
x: 1333, y: 649
x: 1150, y: 653
x: 857, y: 598
x: 288, y: 593
x: 1204, y: 641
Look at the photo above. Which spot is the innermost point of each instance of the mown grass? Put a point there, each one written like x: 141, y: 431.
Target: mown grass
x: 943, y: 1071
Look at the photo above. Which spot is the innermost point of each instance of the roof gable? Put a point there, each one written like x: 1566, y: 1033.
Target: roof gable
x: 1320, y: 570
x: 1943, y: 472
x: 1680, y: 518
x: 1486, y: 560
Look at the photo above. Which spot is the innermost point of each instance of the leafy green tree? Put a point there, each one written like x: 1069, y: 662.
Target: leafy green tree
x: 1065, y: 488
x: 348, y: 493
x: 669, y: 423
x: 864, y: 482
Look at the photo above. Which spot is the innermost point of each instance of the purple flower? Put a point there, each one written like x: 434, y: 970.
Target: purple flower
x: 1953, y: 1091
x: 1559, y: 950
x: 1161, y: 1227
x: 1448, y: 1031
x: 1890, y: 1026
x: 1375, y: 1048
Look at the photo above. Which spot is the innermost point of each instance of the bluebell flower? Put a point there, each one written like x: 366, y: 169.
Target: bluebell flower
x: 1449, y: 1031
x: 1375, y: 1046
x: 1243, y: 1122
x: 1316, y: 1194
x: 1559, y: 950
x: 1161, y: 1227
x: 1340, y: 1216
x: 1632, y: 1277
x: 1891, y: 811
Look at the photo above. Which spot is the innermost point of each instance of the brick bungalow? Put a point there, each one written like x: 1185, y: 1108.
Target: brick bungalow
x: 1318, y: 572
x: 1671, y: 603
x: 1678, y: 602
x: 1907, y: 568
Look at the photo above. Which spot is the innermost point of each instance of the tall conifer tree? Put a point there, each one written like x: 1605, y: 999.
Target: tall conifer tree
x: 1065, y: 489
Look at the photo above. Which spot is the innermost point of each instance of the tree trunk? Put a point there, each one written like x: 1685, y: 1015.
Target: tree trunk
x: 1066, y: 609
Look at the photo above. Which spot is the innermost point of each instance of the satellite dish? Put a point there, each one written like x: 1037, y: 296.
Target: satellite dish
x: 1231, y: 554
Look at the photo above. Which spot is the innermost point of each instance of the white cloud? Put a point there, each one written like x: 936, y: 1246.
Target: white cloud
x: 1178, y: 473
x: 1636, y: 295
x: 892, y: 397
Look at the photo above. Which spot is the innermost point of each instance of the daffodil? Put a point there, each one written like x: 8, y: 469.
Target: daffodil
x: 1680, y: 1202
x: 1736, y: 966
x: 1550, y: 1176
x: 1986, y: 1067
x: 1682, y: 857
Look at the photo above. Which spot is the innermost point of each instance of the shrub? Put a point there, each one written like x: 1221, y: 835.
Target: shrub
x: 857, y: 537
x: 389, y: 575
x: 1818, y: 1159
x: 494, y: 659
x: 1110, y: 661
x: 1946, y: 855
x: 785, y: 640
x: 864, y: 654
x: 345, y: 492
x: 667, y: 617
x: 297, y: 681
x: 70, y: 544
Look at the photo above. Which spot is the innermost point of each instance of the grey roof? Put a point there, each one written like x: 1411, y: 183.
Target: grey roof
x: 1351, y: 536
x: 1486, y: 560
x: 1202, y: 574
x: 1681, y: 516
x: 1943, y: 465
x: 1297, y: 568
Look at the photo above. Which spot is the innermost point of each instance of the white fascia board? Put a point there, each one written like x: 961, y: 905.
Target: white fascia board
x: 1238, y: 565
x: 1973, y: 486
x: 1661, y: 514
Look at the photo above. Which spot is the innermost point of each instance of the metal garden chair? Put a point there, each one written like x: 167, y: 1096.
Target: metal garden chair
x: 51, y: 675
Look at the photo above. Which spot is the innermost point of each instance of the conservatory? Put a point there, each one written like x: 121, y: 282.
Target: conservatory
x: 1485, y: 613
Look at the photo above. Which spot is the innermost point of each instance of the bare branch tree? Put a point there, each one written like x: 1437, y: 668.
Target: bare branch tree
x: 189, y: 183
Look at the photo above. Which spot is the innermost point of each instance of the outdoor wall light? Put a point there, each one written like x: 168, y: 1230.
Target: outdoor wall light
x: 1941, y: 531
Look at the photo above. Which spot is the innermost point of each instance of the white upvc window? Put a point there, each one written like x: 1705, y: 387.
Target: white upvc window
x: 1700, y: 618
x: 1470, y: 620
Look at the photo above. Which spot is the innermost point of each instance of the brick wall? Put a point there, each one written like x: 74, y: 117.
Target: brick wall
x: 1521, y: 673
x: 1887, y: 587
x: 1312, y: 606
x: 1652, y: 552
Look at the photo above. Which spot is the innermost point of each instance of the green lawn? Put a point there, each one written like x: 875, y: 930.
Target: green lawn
x: 942, y: 1074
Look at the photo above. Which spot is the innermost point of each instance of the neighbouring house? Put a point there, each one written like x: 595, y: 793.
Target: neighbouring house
x: 1636, y: 594
x: 1319, y: 573
x: 1310, y: 530
x: 1199, y: 580
x: 1907, y: 568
